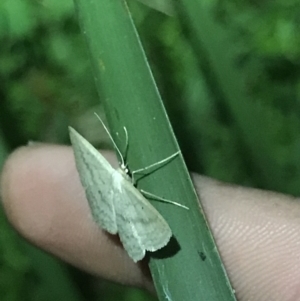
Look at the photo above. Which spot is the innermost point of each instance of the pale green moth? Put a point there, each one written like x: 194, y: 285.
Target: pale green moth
x: 116, y: 205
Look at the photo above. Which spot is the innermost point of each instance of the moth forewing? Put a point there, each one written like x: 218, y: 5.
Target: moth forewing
x: 95, y: 176
x: 142, y: 228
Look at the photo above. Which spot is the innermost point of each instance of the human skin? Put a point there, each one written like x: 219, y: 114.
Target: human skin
x: 257, y: 232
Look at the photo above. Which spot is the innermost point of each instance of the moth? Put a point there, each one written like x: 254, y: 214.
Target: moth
x: 117, y: 206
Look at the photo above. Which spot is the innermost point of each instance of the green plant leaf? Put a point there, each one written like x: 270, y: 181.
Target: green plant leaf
x: 130, y: 96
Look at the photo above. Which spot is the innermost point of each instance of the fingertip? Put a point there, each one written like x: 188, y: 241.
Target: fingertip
x: 24, y: 192
x: 45, y: 202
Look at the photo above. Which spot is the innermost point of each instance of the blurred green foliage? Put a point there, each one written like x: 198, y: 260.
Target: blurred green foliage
x: 14, y: 264
x: 46, y: 83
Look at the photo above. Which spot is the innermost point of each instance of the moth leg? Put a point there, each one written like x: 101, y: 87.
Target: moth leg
x: 154, y: 166
x: 158, y: 198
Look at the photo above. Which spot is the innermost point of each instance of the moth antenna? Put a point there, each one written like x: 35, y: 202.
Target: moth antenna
x: 112, y: 140
x: 126, y: 144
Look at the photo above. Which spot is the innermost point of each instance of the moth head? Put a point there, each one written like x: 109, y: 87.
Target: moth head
x: 125, y: 168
